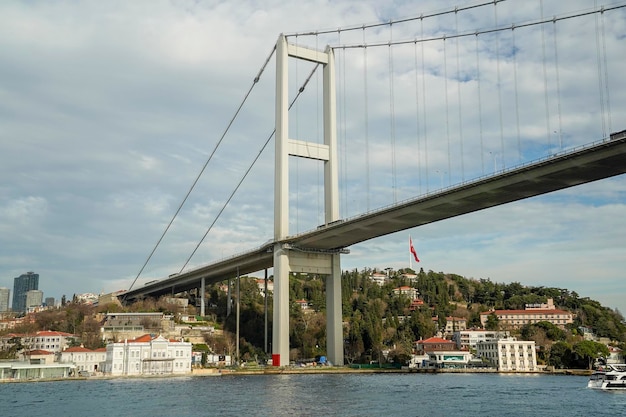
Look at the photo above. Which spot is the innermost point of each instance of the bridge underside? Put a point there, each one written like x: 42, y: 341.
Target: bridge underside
x: 603, y: 160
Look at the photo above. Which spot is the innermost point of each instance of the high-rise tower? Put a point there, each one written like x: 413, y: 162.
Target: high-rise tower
x: 21, y: 285
x: 4, y: 299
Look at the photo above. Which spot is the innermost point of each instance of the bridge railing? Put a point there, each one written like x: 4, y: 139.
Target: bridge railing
x: 559, y: 153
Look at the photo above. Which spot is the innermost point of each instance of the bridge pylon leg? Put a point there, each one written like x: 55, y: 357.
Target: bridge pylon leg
x: 334, y: 327
x: 280, y: 326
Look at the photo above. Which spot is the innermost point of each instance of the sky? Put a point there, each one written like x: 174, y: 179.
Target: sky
x: 110, y: 110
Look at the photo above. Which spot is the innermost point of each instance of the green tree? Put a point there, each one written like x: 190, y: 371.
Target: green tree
x: 590, y: 351
x: 560, y: 355
x: 493, y: 323
x: 14, y: 347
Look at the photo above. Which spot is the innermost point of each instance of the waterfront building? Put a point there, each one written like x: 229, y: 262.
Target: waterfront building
x: 449, y: 359
x: 84, y: 359
x: 509, y: 355
x: 21, y: 285
x: 212, y: 359
x: 418, y: 361
x: 20, y: 370
x: 468, y: 339
x: 148, y: 355
x: 4, y: 299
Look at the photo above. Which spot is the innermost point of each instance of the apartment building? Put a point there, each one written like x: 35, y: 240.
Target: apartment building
x: 509, y: 355
x: 468, y: 339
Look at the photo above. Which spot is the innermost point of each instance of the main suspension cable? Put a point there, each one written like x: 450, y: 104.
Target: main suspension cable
x: 541, y: 21
x: 394, y: 22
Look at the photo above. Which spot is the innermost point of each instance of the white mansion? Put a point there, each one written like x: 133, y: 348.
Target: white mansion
x: 148, y: 355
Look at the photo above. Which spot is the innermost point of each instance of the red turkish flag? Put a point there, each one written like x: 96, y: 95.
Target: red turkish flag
x: 412, y: 249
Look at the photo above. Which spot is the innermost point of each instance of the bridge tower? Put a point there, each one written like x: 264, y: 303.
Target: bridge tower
x: 289, y: 259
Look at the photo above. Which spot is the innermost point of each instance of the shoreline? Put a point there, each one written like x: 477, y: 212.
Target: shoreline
x: 215, y: 372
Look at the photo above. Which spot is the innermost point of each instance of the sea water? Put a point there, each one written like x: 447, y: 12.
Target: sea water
x: 393, y: 395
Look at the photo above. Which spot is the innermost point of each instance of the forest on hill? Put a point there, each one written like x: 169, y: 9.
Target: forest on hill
x: 377, y: 321
x: 379, y: 325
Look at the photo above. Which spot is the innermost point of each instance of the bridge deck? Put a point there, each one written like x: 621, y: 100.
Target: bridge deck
x: 592, y: 163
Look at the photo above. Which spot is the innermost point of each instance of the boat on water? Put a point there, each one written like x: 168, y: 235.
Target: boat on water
x: 610, y: 376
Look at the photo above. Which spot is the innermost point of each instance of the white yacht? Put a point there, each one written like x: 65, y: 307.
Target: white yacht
x: 610, y: 376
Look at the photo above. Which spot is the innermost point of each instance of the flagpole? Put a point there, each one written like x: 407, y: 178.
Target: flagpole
x: 410, y: 260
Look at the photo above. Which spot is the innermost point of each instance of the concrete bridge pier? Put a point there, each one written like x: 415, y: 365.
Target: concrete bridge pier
x: 289, y: 259
x: 334, y: 322
x: 280, y: 326
x: 203, y: 297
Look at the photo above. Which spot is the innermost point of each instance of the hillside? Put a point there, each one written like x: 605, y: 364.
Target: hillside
x: 379, y: 323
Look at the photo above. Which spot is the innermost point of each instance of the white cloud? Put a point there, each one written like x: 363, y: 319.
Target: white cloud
x: 110, y: 109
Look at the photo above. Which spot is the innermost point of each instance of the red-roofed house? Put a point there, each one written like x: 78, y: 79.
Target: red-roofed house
x: 85, y: 359
x: 148, y: 355
x: 434, y: 344
x: 38, y: 356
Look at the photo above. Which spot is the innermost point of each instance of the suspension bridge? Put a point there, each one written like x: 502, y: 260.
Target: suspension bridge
x: 458, y: 96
